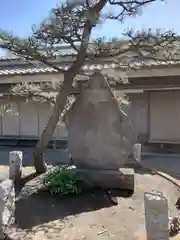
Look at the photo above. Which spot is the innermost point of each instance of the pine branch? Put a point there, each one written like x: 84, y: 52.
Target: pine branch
x: 72, y: 24
x: 29, y: 49
x: 65, y: 26
x: 127, y: 8
x: 34, y: 92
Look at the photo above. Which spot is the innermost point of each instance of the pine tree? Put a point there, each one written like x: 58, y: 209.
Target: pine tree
x: 72, y: 24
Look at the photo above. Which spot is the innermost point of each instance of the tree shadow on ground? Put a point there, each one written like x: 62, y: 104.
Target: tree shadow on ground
x: 28, y: 178
x: 41, y: 207
x: 19, y: 185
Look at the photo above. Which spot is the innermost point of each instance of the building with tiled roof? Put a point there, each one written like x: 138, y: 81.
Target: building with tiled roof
x: 153, y: 90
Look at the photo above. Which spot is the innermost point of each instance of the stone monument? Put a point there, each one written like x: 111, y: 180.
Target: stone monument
x: 98, y: 135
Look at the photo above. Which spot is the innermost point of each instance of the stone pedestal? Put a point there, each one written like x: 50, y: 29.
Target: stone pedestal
x: 7, y: 205
x: 15, y: 165
x: 156, y: 216
x: 118, y: 179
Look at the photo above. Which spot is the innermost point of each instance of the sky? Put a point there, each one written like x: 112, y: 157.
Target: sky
x: 19, y: 15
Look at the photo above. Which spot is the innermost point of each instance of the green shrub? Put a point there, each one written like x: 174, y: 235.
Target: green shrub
x: 64, y: 181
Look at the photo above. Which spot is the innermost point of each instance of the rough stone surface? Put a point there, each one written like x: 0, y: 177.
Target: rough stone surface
x: 15, y: 165
x: 97, y: 129
x: 119, y: 179
x: 7, y: 205
x: 156, y: 216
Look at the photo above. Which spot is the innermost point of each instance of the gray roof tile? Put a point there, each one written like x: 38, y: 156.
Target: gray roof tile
x: 34, y: 70
x: 22, y: 70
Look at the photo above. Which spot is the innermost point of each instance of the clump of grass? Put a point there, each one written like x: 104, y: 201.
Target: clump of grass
x: 65, y: 180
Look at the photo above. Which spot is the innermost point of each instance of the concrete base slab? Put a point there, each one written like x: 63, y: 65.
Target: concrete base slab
x: 118, y: 179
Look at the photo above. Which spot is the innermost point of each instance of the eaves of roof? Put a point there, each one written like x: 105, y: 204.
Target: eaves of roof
x: 5, y: 58
x: 22, y: 70
x: 86, y: 67
x: 35, y: 70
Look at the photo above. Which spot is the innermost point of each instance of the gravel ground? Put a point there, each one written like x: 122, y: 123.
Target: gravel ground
x: 86, y: 217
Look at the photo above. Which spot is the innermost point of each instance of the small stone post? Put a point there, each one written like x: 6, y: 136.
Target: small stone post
x: 156, y: 216
x: 15, y: 165
x: 137, y: 152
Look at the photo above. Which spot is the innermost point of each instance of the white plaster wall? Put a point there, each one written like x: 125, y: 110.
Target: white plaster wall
x: 21, y: 120
x: 165, y: 116
x: 138, y: 113
x: 28, y: 119
x: 10, y: 121
x: 61, y: 130
x: 45, y: 111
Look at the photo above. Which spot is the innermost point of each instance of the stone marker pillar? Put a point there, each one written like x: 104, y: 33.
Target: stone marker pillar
x: 156, y: 216
x: 15, y: 165
x: 7, y: 205
x: 137, y: 152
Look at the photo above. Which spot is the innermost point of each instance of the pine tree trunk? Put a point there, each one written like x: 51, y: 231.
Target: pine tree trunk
x: 62, y: 96
x: 39, y: 162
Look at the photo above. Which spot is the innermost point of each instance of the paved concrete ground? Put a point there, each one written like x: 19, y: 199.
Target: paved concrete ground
x: 52, y: 156
x: 169, y: 164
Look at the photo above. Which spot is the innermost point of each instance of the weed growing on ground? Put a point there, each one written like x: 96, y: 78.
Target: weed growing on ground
x: 65, y: 180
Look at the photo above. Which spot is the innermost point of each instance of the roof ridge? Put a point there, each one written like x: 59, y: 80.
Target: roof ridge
x: 86, y: 67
